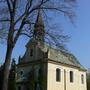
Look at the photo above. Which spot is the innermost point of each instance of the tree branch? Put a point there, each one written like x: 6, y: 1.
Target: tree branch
x: 18, y: 32
x: 6, y: 20
x: 26, y: 35
x: 9, y: 6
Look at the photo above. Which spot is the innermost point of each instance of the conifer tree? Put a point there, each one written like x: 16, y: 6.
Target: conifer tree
x: 12, y: 77
x: 1, y: 76
x: 31, y: 80
x: 88, y: 81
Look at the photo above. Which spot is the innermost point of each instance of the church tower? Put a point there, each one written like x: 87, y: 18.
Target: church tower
x: 33, y: 61
x: 36, y: 43
x: 39, y: 32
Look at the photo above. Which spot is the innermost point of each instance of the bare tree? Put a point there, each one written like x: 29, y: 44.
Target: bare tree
x: 17, y: 17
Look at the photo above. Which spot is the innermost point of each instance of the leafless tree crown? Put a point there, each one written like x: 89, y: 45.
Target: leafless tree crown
x: 17, y: 17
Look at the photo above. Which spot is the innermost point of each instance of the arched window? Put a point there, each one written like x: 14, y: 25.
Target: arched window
x: 31, y: 52
x: 58, y: 75
x: 21, y: 73
x: 71, y: 76
x: 82, y: 79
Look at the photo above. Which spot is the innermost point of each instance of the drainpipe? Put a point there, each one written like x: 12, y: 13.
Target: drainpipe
x: 64, y: 79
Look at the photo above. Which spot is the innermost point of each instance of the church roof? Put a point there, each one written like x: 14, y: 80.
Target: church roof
x: 63, y: 57
x: 60, y: 56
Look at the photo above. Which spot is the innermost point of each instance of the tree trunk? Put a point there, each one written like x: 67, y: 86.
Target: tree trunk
x: 6, y: 67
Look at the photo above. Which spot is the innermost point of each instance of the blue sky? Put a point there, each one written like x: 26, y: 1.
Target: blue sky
x: 80, y: 34
x: 79, y: 43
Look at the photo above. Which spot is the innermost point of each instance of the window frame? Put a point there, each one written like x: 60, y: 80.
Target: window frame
x: 31, y: 52
x: 82, y: 78
x: 58, y: 74
x: 71, y: 76
x: 21, y: 73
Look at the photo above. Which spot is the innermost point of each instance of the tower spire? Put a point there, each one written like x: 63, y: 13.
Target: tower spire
x: 39, y: 31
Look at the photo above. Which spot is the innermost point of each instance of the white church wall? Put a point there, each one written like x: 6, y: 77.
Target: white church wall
x: 84, y: 85
x: 65, y: 83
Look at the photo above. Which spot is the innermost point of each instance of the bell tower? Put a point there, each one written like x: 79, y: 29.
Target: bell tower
x: 39, y: 32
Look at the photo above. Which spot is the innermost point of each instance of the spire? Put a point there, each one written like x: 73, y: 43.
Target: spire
x: 39, y: 20
x: 39, y: 32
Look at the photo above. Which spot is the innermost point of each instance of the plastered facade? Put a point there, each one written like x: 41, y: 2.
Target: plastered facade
x: 65, y: 83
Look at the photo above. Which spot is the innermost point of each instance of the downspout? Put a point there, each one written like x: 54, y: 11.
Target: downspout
x: 64, y: 79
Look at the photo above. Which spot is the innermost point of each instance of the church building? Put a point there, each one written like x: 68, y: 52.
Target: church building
x: 45, y: 68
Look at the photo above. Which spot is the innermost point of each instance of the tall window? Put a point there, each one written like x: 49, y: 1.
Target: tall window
x: 71, y: 76
x: 82, y: 79
x: 31, y: 52
x: 58, y: 74
x: 21, y: 72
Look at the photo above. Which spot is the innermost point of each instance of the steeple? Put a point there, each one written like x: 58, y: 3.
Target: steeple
x: 39, y: 31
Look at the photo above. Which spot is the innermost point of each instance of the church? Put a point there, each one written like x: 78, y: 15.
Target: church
x: 45, y: 68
